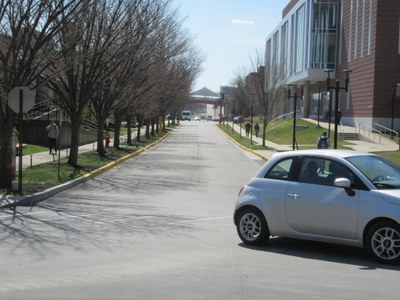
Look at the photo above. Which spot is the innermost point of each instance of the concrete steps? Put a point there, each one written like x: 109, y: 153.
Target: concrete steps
x: 350, y: 136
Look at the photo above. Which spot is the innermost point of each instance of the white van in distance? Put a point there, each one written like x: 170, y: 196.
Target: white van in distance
x: 186, y: 115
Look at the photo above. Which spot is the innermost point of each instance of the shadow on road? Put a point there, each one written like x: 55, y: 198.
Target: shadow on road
x: 321, y: 251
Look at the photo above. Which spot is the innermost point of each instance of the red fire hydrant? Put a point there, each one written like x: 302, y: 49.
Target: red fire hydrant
x: 107, y: 140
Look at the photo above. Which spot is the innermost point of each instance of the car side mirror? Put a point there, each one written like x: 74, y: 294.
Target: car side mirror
x: 346, y: 184
x: 342, y: 182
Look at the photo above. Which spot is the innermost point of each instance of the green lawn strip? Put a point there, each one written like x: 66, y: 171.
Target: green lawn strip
x: 281, y: 132
x: 47, y: 175
x: 32, y: 149
x: 391, y: 155
x: 242, y: 140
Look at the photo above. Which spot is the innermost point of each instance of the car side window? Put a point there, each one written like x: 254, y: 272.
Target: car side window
x: 312, y: 170
x: 316, y: 170
x: 281, y: 170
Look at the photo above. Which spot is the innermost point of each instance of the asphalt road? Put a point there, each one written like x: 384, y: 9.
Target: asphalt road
x: 159, y: 226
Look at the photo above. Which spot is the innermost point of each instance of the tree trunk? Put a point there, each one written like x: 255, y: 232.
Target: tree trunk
x: 101, y: 139
x: 265, y: 124
x: 147, y: 122
x: 163, y: 123
x: 153, y: 124
x: 117, y: 129
x: 129, y: 129
x: 6, y: 151
x: 139, y: 118
x: 76, y: 121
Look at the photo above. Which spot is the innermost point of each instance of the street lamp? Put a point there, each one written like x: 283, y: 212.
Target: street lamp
x: 227, y: 114
x: 220, y: 108
x: 395, y: 88
x: 319, y: 103
x: 294, y: 96
x: 337, y: 88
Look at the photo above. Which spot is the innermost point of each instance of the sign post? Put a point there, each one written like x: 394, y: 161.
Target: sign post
x: 16, y: 103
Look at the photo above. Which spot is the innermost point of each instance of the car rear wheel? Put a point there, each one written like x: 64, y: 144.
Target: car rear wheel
x: 252, y: 227
x: 383, y: 242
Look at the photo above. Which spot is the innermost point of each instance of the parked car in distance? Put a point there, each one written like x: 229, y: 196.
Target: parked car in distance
x: 209, y: 118
x: 238, y: 119
x: 335, y: 196
x: 196, y: 118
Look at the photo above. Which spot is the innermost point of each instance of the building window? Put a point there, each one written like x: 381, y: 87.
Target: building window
x: 323, y: 34
x: 300, y: 35
x: 284, y: 42
x: 268, y: 52
x: 351, y: 29
x: 399, y: 37
x: 370, y: 27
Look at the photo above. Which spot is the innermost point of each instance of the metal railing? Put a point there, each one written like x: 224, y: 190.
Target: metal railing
x: 387, y: 130
x: 370, y: 133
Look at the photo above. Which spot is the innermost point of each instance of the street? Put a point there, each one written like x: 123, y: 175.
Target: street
x: 159, y: 226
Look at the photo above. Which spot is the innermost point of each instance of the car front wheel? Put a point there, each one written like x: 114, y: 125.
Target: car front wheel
x: 252, y: 227
x: 383, y: 242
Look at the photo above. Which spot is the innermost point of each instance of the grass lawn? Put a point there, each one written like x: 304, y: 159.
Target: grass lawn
x: 44, y: 176
x: 281, y: 132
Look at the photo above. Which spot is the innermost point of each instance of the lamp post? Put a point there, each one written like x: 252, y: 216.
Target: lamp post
x: 227, y: 115
x: 220, y: 108
x: 337, y: 88
x: 251, y: 121
x: 241, y: 117
x: 395, y: 88
x: 319, y: 103
x: 233, y: 118
x: 294, y: 96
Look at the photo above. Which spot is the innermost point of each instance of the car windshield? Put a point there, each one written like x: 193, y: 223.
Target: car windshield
x: 383, y: 173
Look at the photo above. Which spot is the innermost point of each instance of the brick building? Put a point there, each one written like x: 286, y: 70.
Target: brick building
x: 360, y: 35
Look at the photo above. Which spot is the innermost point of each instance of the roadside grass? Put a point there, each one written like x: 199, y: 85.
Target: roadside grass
x: 40, y: 177
x: 391, y: 155
x: 242, y: 140
x: 32, y: 149
x: 281, y: 132
x: 307, y: 134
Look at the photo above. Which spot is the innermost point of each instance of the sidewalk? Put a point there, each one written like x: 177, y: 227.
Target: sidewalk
x: 44, y: 157
x: 364, y: 146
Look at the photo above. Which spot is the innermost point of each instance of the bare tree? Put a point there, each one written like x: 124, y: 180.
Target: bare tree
x: 28, y: 34
x: 85, y: 44
x: 265, y: 87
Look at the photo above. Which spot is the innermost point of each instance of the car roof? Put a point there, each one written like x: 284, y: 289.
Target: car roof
x: 319, y: 152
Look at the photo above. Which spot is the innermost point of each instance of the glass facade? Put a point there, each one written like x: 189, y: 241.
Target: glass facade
x: 300, y: 39
x: 323, y: 34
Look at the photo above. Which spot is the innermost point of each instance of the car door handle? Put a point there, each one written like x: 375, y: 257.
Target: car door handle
x: 294, y: 196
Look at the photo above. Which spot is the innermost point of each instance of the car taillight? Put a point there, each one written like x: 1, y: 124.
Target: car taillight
x: 241, y: 190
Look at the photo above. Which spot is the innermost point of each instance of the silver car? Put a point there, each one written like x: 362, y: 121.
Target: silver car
x: 335, y: 196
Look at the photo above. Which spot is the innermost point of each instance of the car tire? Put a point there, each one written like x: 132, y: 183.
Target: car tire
x: 252, y: 226
x: 383, y: 242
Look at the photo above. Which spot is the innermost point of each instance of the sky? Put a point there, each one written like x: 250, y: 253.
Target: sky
x: 228, y: 33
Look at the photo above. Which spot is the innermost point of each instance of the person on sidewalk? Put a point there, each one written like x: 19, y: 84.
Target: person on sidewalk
x: 323, y: 142
x: 247, y: 128
x: 257, y: 129
x: 53, y: 133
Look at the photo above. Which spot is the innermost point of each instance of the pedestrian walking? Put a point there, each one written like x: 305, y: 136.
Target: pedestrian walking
x: 338, y: 117
x: 53, y: 133
x: 247, y: 128
x: 323, y: 142
x: 257, y: 129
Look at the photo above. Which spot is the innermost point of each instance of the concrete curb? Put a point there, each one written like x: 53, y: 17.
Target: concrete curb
x: 14, y: 201
x: 241, y: 146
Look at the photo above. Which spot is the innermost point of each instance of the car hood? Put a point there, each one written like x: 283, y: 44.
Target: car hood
x: 391, y: 196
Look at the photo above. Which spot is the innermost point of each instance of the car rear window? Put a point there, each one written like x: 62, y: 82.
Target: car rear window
x: 281, y: 170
